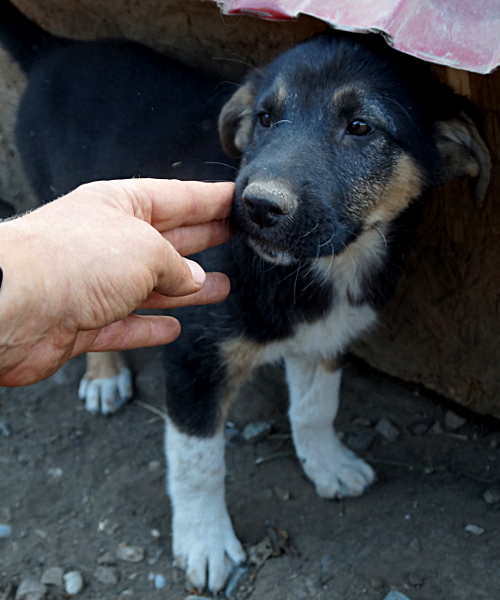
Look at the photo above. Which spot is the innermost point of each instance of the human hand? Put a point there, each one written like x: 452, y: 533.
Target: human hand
x: 75, y: 268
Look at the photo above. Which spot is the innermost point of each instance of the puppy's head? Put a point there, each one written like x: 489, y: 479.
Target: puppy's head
x: 337, y: 136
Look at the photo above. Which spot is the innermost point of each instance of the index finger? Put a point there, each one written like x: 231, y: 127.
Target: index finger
x: 179, y: 203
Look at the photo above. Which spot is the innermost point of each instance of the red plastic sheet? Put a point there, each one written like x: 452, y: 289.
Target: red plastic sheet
x: 464, y: 34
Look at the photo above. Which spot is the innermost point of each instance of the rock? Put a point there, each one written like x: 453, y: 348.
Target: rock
x: 436, y: 428
x: 106, y: 559
x: 256, y: 432
x: 159, y: 581
x: 388, y: 430
x: 4, y: 430
x: 53, y: 576
x: 106, y: 575
x: 474, y: 529
x: 394, y: 595
x: 281, y: 493
x: 154, y: 465
x: 73, y: 582
x: 452, y: 421
x: 492, y: 496
x: 232, y: 584
x: 377, y: 584
x: 30, y: 589
x: 361, y: 440
x: 258, y: 554
x: 191, y: 597
x: 133, y: 554
x: 5, y: 531
x: 362, y: 422
x: 418, y: 428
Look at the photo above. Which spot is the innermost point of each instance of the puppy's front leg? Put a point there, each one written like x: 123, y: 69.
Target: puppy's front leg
x: 203, y: 536
x: 314, y: 399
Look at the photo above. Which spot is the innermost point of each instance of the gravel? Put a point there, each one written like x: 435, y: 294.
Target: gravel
x: 453, y: 421
x: 73, y: 582
x: 106, y: 575
x: 388, y: 430
x: 53, y: 576
x: 133, y: 554
x: 30, y: 589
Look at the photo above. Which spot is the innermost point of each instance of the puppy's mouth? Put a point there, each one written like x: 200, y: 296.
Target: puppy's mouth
x: 271, y: 252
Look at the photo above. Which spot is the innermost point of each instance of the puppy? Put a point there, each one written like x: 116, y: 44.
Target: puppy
x: 339, y: 139
x: 109, y: 109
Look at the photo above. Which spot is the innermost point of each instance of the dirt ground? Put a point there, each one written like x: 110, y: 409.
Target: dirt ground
x: 74, y: 486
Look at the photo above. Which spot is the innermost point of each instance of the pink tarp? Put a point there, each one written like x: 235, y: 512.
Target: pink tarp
x: 464, y: 34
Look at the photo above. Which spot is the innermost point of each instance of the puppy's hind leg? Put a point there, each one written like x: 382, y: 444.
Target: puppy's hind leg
x: 314, y: 398
x: 107, y: 383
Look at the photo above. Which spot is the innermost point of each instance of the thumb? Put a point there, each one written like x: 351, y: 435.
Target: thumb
x: 178, y: 276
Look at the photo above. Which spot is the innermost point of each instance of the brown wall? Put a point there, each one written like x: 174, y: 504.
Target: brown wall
x: 443, y: 327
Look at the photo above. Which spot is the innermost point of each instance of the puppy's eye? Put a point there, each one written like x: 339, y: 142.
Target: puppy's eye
x: 358, y: 127
x: 265, y: 119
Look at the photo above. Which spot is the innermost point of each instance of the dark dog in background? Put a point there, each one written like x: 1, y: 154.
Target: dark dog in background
x: 109, y: 109
x: 339, y: 140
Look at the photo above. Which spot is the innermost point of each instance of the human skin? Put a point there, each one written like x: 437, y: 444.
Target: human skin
x: 74, y: 270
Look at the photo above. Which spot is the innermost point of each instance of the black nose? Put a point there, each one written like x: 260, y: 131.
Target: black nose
x: 267, y: 203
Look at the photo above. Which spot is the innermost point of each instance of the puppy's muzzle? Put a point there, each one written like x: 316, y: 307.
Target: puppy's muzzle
x: 269, y: 203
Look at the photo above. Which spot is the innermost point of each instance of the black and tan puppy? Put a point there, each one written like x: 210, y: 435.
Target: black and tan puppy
x: 339, y: 138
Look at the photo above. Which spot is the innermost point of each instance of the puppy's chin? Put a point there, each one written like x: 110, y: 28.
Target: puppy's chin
x: 271, y: 254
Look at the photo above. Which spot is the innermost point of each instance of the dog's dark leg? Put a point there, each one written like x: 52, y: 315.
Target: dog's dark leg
x: 314, y: 399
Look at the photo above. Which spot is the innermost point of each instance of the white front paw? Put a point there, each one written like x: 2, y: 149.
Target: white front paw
x: 206, y: 548
x: 340, y: 475
x: 106, y: 395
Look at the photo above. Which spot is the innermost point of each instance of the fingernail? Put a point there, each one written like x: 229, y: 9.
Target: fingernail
x: 198, y: 273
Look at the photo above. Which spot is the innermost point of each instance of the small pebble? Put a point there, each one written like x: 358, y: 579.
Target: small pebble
x: 394, y: 595
x: 256, y: 432
x: 159, y: 581
x: 191, y: 597
x: 362, y: 422
x: 4, y: 430
x: 418, y: 428
x: 132, y: 554
x: 73, y: 582
x: 474, y: 529
x: 361, y: 440
x: 415, y: 545
x: 377, y: 583
x: 492, y: 496
x: 258, y: 554
x: 53, y: 576
x: 5, y: 531
x: 55, y: 473
x: 453, y: 421
x: 154, y: 465
x: 281, y: 493
x: 388, y: 430
x: 106, y: 575
x: 232, y: 584
x: 106, y: 559
x: 436, y: 429
x: 154, y: 559
x: 30, y: 589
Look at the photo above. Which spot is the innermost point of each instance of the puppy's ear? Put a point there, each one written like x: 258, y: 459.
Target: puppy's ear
x: 235, y: 120
x: 464, y: 153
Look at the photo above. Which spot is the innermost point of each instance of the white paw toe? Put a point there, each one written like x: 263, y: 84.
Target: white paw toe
x: 349, y: 476
x: 108, y: 394
x: 208, y: 558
